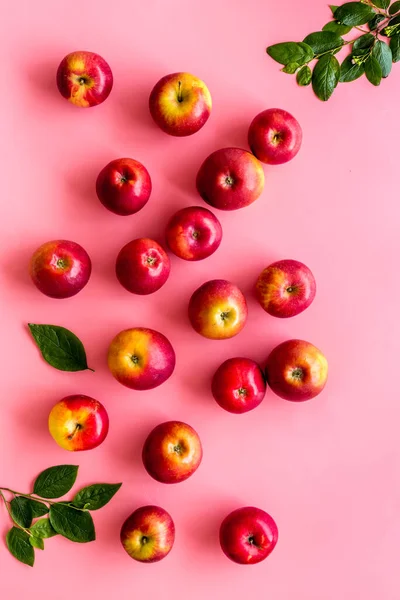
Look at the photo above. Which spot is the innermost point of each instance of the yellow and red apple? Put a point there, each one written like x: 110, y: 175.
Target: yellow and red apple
x: 84, y: 78
x: 275, y: 136
x: 193, y: 233
x: 148, y: 534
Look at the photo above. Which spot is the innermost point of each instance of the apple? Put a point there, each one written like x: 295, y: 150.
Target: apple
x: 275, y: 136
x: 218, y: 310
x: 248, y: 535
x: 123, y: 186
x: 142, y: 266
x: 60, y: 269
x: 172, y: 452
x: 141, y: 358
x: 193, y: 233
x: 180, y: 104
x: 230, y: 178
x: 238, y: 385
x: 285, y: 288
x: 296, y: 370
x: 84, y: 78
x: 78, y: 423
x: 148, y: 534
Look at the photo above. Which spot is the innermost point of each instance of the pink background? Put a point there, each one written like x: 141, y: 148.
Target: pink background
x: 326, y: 470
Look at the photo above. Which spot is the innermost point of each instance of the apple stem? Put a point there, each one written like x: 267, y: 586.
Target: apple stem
x: 179, y: 91
x: 77, y: 428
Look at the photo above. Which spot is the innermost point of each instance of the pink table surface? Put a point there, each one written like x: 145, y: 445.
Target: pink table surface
x: 327, y: 470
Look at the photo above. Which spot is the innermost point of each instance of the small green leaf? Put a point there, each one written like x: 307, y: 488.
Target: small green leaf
x: 323, y: 41
x: 350, y: 71
x: 374, y: 22
x: 290, y: 52
x: 95, y: 496
x: 381, y: 3
x: 304, y: 76
x: 394, y: 8
x: 21, y: 511
x: 364, y: 41
x: 43, y: 529
x: 383, y: 55
x: 395, y: 48
x: 373, y: 71
x: 55, y: 481
x: 354, y: 13
x: 75, y: 525
x: 36, y: 542
x: 19, y: 546
x: 333, y: 8
x: 59, y: 347
x: 337, y: 28
x: 291, y: 68
x: 325, y: 76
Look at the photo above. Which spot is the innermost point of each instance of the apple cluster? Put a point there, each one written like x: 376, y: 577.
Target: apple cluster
x: 142, y: 358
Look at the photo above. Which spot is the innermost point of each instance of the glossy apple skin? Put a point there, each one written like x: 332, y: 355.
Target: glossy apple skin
x: 248, y: 535
x: 275, y: 136
x: 285, y: 288
x: 60, y: 269
x: 148, y: 534
x: 230, y: 178
x: 193, y: 233
x: 180, y: 104
x: 218, y: 310
x: 142, y: 266
x: 296, y: 370
x: 124, y: 186
x: 84, y: 78
x: 78, y: 423
x: 140, y: 358
x: 238, y: 385
x: 172, y: 452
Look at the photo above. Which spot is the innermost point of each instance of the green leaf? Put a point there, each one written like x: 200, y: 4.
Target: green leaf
x: 290, y: 52
x: 75, y: 525
x: 374, y: 22
x: 95, y: 496
x: 323, y: 41
x: 18, y: 544
x: 373, y: 71
x: 364, y: 41
x: 354, y: 13
x: 43, y: 529
x: 36, y: 542
x: 395, y: 48
x: 21, y: 511
x: 394, y: 8
x: 55, y: 481
x: 60, y: 347
x: 304, y: 76
x: 291, y: 68
x: 38, y: 508
x: 325, y: 76
x: 350, y: 71
x: 381, y: 3
x: 383, y: 55
x: 337, y: 28
x: 333, y: 8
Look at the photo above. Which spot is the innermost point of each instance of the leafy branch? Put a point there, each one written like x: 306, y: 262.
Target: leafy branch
x: 372, y: 53
x: 70, y: 519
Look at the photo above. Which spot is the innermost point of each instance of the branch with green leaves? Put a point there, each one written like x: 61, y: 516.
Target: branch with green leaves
x: 36, y: 516
x: 372, y: 52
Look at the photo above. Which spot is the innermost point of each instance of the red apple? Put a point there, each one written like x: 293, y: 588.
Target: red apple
x: 218, y: 310
x: 60, y: 269
x: 78, y: 423
x: 194, y: 233
x: 275, y: 136
x: 84, y: 78
x: 180, y: 104
x: 230, y: 178
x: 238, y: 385
x: 142, y: 266
x: 123, y: 186
x: 140, y: 358
x: 285, y: 288
x: 172, y: 452
x: 148, y: 534
x: 248, y: 535
x: 296, y: 370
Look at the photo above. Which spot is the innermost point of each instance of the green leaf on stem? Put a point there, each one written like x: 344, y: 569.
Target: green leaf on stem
x: 364, y: 41
x: 43, y: 529
x: 18, y: 544
x: 383, y: 55
x: 395, y: 48
x: 291, y: 68
x: 374, y: 22
x: 394, y: 8
x: 76, y: 525
x: 373, y: 70
x: 381, y: 3
x: 21, y: 511
x: 323, y: 41
x: 354, y: 13
x: 290, y: 52
x: 36, y: 542
x: 59, y: 347
x: 349, y: 70
x: 95, y: 496
x: 337, y: 28
x: 325, y: 76
x: 54, y: 482
x: 304, y: 76
x: 333, y: 8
